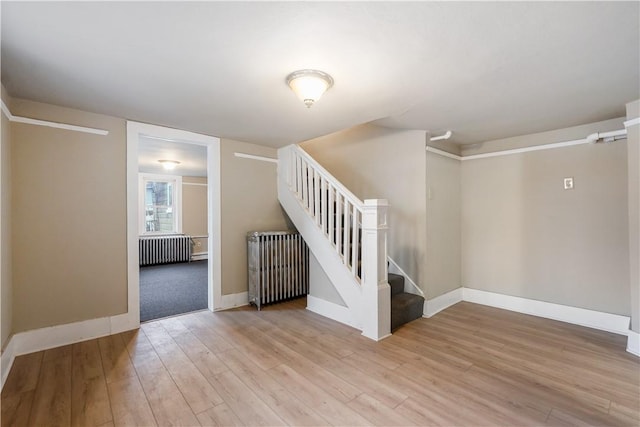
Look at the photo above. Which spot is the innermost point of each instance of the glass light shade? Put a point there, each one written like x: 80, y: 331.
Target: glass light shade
x: 169, y: 164
x: 309, y: 85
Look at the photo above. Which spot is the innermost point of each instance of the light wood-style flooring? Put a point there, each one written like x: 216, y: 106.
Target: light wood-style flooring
x: 469, y: 365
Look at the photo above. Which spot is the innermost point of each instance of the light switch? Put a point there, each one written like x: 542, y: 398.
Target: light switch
x: 568, y: 183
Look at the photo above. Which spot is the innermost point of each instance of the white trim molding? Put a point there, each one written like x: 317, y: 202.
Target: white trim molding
x: 59, y: 335
x: 616, y: 135
x: 633, y: 343
x: 232, y: 301
x: 254, y: 157
x: 6, y: 361
x: 444, y: 301
x: 608, y: 322
x: 199, y: 256
x: 632, y: 122
x: 47, y: 123
x: 214, y: 245
x: 333, y: 311
x: 614, y: 323
x: 528, y: 149
x: 443, y: 153
x: 409, y: 285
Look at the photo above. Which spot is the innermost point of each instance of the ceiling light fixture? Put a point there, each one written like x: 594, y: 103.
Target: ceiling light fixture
x: 169, y: 164
x: 309, y: 85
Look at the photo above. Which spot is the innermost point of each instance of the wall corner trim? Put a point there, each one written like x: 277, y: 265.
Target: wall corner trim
x: 333, y: 311
x: 633, y: 343
x: 47, y: 123
x: 55, y: 336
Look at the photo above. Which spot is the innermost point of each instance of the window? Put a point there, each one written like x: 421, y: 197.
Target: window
x: 160, y: 204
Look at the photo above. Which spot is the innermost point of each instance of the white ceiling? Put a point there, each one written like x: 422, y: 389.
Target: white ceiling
x: 483, y: 70
x: 192, y: 157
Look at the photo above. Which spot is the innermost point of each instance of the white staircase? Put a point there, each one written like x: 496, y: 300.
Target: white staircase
x: 347, y: 236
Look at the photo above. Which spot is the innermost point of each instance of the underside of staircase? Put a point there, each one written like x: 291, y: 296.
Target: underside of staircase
x: 348, y: 237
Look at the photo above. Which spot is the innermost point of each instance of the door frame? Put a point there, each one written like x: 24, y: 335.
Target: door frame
x: 214, y: 264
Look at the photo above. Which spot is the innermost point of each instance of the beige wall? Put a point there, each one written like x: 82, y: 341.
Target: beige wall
x: 194, y: 210
x: 6, y: 295
x: 443, y: 226
x: 380, y: 163
x: 69, y: 218
x: 524, y: 235
x: 633, y: 167
x: 249, y: 200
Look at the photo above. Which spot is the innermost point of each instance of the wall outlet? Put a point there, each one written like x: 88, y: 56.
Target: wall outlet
x: 568, y: 183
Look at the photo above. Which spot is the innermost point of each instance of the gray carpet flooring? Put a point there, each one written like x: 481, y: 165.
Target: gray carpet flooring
x: 170, y: 289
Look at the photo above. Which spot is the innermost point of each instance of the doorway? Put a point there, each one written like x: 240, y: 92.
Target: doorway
x: 173, y: 227
x: 156, y: 199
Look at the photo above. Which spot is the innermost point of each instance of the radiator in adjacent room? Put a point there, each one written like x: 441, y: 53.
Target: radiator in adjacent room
x: 278, y: 264
x: 164, y: 249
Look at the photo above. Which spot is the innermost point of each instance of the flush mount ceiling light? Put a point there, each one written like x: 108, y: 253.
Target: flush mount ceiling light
x: 309, y: 85
x: 169, y: 164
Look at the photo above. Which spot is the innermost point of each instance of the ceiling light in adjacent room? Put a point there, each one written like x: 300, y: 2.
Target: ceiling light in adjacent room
x: 169, y: 164
x: 309, y: 85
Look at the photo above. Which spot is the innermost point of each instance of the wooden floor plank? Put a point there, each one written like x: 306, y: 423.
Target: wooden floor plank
x: 279, y: 399
x: 52, y: 400
x: 333, y: 410
x: 142, y: 354
x: 468, y: 365
x: 220, y: 415
x: 377, y: 413
x: 167, y: 403
x: 24, y: 374
x: 202, y: 358
x: 195, y: 389
x: 115, y: 358
x: 89, y: 396
x: 16, y: 409
x: 129, y: 404
x: 251, y: 410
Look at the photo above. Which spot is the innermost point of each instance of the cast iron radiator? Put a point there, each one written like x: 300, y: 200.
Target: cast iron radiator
x: 278, y: 264
x: 164, y: 249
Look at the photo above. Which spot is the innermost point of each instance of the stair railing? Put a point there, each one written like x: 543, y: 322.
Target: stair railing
x: 356, y: 230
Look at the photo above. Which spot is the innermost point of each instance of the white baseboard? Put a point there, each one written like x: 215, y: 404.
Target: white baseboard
x: 199, y: 256
x: 614, y: 323
x: 233, y: 300
x: 333, y: 311
x: 438, y: 304
x: 6, y: 362
x: 59, y: 335
x: 633, y: 343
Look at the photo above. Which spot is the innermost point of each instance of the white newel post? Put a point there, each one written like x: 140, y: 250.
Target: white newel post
x: 376, y: 307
